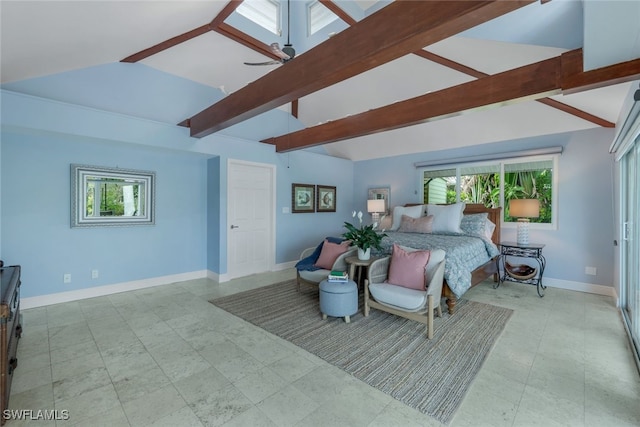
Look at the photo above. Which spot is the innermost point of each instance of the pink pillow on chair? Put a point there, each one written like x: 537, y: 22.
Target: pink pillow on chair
x: 406, y: 269
x: 330, y: 252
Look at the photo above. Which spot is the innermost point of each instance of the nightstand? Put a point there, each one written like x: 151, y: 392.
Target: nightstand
x: 355, y: 262
x: 531, y: 250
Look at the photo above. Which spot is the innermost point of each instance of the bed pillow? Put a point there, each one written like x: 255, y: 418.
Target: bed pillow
x: 446, y: 218
x: 489, y: 229
x: 330, y: 252
x: 407, y: 269
x: 474, y: 224
x: 385, y: 222
x: 412, y: 211
x: 416, y: 225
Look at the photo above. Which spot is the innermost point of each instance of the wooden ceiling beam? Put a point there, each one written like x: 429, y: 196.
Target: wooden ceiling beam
x: 547, y: 101
x: 576, y: 112
x: 531, y: 81
x: 400, y: 28
x: 337, y: 10
x: 450, y: 64
x: 174, y: 41
x: 538, y: 79
x: 245, y: 39
x: 576, y: 80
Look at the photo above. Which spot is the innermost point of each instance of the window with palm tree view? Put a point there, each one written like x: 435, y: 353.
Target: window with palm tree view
x: 494, y: 184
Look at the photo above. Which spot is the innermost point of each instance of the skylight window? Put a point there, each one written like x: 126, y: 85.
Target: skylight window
x: 319, y: 17
x: 265, y: 13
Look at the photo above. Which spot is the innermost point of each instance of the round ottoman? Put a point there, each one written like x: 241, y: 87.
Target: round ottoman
x: 338, y: 299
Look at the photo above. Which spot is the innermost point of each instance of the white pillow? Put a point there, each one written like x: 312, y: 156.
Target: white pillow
x: 446, y: 218
x: 412, y: 211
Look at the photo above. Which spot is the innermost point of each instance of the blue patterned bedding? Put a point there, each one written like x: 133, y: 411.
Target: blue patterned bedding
x: 464, y: 253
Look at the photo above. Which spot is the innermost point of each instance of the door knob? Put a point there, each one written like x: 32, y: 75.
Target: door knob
x: 234, y: 226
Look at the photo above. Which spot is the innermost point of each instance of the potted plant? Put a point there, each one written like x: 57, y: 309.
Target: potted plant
x: 365, y: 237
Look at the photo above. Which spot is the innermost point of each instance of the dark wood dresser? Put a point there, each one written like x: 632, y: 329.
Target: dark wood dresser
x: 10, y: 331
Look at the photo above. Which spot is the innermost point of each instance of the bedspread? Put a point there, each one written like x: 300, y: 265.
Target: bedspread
x: 464, y: 253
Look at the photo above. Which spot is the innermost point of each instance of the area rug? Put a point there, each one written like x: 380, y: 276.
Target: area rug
x: 383, y: 350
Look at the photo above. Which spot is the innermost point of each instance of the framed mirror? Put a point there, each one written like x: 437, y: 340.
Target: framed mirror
x: 102, y: 196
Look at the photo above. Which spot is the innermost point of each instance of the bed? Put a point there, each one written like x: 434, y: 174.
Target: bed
x: 470, y: 259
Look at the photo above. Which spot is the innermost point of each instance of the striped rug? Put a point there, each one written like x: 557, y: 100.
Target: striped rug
x: 383, y: 350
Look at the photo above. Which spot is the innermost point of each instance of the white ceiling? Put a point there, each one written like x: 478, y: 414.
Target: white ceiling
x: 42, y: 38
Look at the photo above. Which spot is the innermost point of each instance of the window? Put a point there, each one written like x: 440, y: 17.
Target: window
x: 319, y: 17
x: 440, y: 186
x: 530, y: 180
x: 265, y: 13
x: 494, y: 183
x: 480, y: 184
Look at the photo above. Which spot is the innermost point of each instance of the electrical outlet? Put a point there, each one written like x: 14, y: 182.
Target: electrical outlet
x: 66, y: 278
x: 94, y: 274
x: 591, y: 271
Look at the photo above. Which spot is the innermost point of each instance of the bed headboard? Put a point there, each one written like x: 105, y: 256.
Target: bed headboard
x: 492, y: 213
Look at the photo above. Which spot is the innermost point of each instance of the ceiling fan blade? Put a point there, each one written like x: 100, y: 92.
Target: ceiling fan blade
x: 275, y: 48
x: 264, y: 63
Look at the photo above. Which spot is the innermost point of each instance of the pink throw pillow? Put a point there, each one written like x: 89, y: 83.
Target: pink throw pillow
x: 330, y: 252
x: 407, y: 268
x: 416, y: 225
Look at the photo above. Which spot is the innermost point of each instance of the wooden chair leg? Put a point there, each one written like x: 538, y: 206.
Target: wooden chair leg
x: 366, y: 298
x: 430, y: 316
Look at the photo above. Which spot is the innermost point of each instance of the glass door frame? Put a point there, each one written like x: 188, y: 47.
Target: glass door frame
x: 630, y: 245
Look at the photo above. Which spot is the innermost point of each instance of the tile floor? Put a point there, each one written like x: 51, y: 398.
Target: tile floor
x: 164, y: 356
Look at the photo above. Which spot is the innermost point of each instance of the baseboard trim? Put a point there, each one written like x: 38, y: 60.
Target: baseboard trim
x: 580, y: 287
x: 98, y: 291
x: 44, y: 300
x: 284, y: 266
x: 225, y: 277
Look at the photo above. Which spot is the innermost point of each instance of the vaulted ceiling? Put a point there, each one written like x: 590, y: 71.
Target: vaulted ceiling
x: 396, y: 78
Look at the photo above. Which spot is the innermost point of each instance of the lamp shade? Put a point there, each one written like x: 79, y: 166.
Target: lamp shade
x: 524, y: 208
x: 375, y: 205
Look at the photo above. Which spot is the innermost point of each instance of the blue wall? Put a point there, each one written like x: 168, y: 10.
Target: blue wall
x: 46, y: 126
x: 585, y: 209
x: 36, y: 222
x: 41, y: 138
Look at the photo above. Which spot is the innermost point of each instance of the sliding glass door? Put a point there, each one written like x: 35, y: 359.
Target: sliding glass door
x: 630, y: 253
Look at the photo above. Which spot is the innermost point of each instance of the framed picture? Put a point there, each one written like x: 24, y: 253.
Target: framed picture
x: 326, y: 201
x: 303, y: 197
x: 380, y: 193
x: 105, y: 196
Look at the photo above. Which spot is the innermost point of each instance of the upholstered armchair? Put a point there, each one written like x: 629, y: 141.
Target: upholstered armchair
x: 414, y: 304
x: 314, y: 277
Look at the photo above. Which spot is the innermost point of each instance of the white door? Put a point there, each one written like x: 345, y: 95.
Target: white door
x: 630, y: 273
x: 250, y: 218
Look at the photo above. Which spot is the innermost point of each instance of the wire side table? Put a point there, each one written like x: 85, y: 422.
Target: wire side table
x: 531, y: 250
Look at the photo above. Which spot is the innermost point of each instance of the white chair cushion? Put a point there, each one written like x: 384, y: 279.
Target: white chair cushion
x: 398, y: 296
x: 315, y: 276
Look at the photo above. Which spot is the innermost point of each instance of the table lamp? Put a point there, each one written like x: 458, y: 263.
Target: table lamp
x: 374, y: 207
x: 523, y: 209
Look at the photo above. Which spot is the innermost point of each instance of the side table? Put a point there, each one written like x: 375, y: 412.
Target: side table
x: 361, y: 264
x: 531, y: 250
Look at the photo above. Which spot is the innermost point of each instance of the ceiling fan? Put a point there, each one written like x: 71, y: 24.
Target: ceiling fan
x: 287, y: 53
